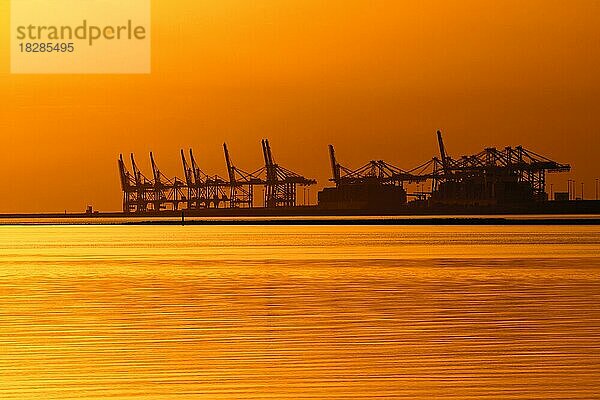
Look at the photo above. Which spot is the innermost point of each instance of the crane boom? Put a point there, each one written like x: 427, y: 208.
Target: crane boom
x: 335, y: 168
x: 230, y: 168
x: 186, y: 169
x: 155, y: 170
x: 443, y: 154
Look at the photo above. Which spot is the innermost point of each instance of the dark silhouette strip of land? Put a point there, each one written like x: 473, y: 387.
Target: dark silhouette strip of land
x: 380, y: 221
x: 365, y: 220
x: 548, y: 213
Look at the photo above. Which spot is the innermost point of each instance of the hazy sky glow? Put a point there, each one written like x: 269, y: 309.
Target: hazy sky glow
x: 376, y: 78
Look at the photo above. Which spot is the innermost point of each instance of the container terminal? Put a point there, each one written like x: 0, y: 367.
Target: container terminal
x: 493, y: 181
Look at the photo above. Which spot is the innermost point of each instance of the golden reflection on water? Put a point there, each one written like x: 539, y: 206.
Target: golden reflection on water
x: 136, y: 312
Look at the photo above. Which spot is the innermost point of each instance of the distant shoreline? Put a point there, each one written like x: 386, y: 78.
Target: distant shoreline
x: 380, y: 220
x: 551, y: 213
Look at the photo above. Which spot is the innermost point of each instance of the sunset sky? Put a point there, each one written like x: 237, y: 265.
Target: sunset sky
x: 375, y: 78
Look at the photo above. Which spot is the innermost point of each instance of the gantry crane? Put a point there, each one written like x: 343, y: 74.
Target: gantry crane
x: 241, y: 183
x: 204, y: 191
x: 280, y: 183
x: 374, y: 172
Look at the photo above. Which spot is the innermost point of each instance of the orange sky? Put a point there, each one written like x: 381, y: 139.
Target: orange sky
x: 376, y: 78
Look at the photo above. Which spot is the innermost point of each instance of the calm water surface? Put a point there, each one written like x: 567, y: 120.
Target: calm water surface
x: 321, y: 312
